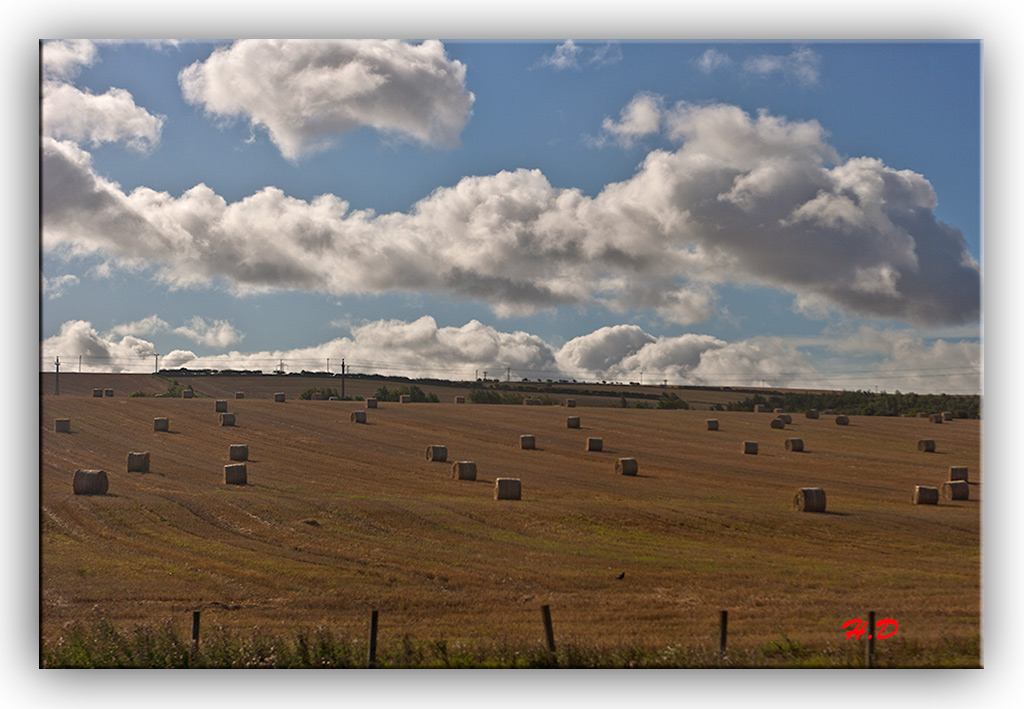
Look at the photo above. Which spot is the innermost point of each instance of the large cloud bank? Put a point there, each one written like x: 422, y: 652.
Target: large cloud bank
x: 869, y: 358
x: 745, y: 198
x: 307, y: 93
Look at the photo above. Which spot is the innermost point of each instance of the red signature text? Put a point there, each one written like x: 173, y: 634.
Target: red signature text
x: 861, y: 626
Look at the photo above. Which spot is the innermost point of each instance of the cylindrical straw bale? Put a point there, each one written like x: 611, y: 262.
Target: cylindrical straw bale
x: 811, y: 413
x: 404, y: 399
x: 464, y: 470
x: 316, y: 396
x: 830, y: 412
x: 956, y: 490
x: 759, y: 408
x: 595, y: 444
x: 958, y: 472
x: 238, y: 451
x: 234, y: 474
x: 279, y: 396
x: 527, y: 442
x: 220, y: 406
x: 935, y: 418
x: 97, y: 393
x: 750, y: 447
x: 371, y: 403
x: 437, y: 454
x: 62, y: 425
x: 924, y: 495
x: 712, y: 424
x: 809, y: 499
x: 926, y: 446
x: 947, y: 415
x: 776, y: 411
x: 161, y: 423
x: 227, y: 419
x: 460, y: 400
x: 786, y: 418
x: 138, y: 462
x: 187, y: 394
x: 508, y: 489
x: 90, y: 482
x: 108, y: 392
x: 794, y: 444
x: 842, y: 420
x: 239, y: 394
x: 626, y: 466
x: 777, y: 423
x: 922, y: 415
x: 358, y: 417
x: 527, y: 401
x: 572, y: 421
x: 570, y: 403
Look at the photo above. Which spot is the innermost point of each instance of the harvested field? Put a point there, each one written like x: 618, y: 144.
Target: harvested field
x: 701, y: 529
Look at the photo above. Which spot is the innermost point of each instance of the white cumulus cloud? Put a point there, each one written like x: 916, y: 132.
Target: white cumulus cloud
x: 641, y: 117
x: 802, y: 64
x: 743, y: 199
x: 308, y: 93
x: 219, y: 333
x: 111, y: 117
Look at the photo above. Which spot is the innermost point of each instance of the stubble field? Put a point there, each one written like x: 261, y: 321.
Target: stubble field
x: 340, y: 518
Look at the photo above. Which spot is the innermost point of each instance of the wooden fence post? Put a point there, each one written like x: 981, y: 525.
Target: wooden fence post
x: 195, y: 634
x: 723, y: 626
x: 869, y: 643
x: 371, y: 660
x: 549, y: 633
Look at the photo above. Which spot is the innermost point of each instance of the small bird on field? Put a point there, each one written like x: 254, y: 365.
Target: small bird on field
x: 621, y: 576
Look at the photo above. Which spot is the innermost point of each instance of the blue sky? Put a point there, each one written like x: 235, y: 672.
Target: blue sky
x: 726, y: 213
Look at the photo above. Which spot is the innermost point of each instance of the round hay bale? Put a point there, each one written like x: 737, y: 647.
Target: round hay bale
x: 220, y: 406
x: 508, y: 489
x: 786, y: 419
x: 776, y: 411
x: 830, y: 412
x: 161, y: 423
x: 371, y: 403
x: 527, y: 401
x: 794, y: 444
x: 777, y: 423
x: 62, y: 425
x: 97, y: 393
x: 90, y: 482
x: 595, y: 444
x: 926, y: 446
x: 238, y: 451
x: 358, y: 417
x: 935, y: 418
x: 958, y: 472
x: 842, y: 420
x: 437, y: 454
x: 460, y: 400
x: 138, y: 462
x: 712, y: 424
x: 239, y: 394
x: 404, y: 399
x: 926, y: 495
x: 227, y: 419
x: 809, y: 499
x: 279, y: 396
x: 922, y: 415
x: 811, y: 414
x: 626, y: 466
x: 572, y: 421
x: 759, y: 408
x: 464, y: 470
x: 187, y: 394
x: 750, y: 447
x: 316, y: 396
x: 947, y: 415
x: 956, y: 490
x: 570, y: 403
x: 234, y: 474
x: 333, y: 398
x: 527, y: 442
x: 108, y: 392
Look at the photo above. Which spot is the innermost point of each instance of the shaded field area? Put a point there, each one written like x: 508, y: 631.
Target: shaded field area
x: 341, y: 518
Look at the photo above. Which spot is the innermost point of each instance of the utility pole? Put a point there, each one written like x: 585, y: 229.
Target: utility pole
x: 56, y: 379
x: 508, y: 375
x: 156, y: 363
x: 79, y: 364
x: 342, y: 377
x: 328, y: 365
